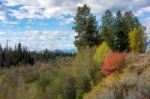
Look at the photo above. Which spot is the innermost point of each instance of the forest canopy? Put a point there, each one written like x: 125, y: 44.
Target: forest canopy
x: 114, y: 29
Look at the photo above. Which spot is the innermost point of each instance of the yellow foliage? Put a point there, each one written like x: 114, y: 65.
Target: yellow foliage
x: 137, y: 40
x: 101, y: 51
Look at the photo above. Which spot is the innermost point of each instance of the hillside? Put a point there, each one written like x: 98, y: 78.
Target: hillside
x: 60, y: 49
x: 133, y: 82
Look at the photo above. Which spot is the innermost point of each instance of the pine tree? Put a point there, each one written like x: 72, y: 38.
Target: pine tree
x: 19, y: 52
x: 120, y: 37
x: 129, y: 23
x: 86, y: 27
x: 115, y: 30
x: 3, y: 59
x: 106, y: 29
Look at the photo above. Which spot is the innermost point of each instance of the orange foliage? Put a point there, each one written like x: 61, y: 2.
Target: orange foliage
x: 112, y: 62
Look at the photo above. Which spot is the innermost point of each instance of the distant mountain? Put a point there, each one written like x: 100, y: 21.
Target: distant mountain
x: 70, y: 50
x: 66, y: 50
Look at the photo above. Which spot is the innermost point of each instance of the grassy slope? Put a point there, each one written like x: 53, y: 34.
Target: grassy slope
x: 133, y: 82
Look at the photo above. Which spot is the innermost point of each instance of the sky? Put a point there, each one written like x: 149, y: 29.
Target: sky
x: 40, y: 24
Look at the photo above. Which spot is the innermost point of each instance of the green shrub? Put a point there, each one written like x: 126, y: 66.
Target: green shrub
x: 85, y: 70
x: 79, y: 94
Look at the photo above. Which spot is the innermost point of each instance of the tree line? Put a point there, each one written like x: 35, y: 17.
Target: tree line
x: 12, y: 57
x: 46, y: 55
x: 122, y: 32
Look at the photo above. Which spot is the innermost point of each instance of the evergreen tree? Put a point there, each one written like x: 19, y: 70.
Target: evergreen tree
x: 10, y: 57
x: 120, y: 37
x: 115, y: 30
x: 2, y: 59
x: 106, y: 29
x: 20, y: 57
x: 86, y: 27
x: 129, y: 23
x: 1, y: 51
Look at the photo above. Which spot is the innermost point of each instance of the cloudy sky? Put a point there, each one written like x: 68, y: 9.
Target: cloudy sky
x: 41, y: 24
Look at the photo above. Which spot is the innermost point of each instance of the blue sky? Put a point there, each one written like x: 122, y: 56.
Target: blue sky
x: 41, y: 24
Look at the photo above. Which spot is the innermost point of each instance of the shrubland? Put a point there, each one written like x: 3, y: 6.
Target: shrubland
x: 41, y: 81
x: 62, y: 78
x: 102, y: 68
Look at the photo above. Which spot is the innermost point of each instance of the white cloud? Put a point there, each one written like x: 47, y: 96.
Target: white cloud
x: 59, y: 8
x: 42, y: 39
x: 41, y: 9
x: 2, y: 33
x: 66, y: 21
x: 2, y: 16
x: 143, y: 10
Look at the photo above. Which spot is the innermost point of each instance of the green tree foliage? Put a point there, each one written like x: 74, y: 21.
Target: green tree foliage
x: 86, y: 27
x: 106, y: 29
x: 100, y: 53
x: 47, y: 55
x: 10, y: 57
x: 114, y: 30
x: 120, y: 37
x: 130, y: 21
x: 137, y: 39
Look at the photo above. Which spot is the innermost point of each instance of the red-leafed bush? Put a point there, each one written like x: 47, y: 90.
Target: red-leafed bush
x: 112, y: 62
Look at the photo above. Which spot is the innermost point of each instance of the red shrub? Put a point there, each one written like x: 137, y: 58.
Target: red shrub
x: 112, y: 62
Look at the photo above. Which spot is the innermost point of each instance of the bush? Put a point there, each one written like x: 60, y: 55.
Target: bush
x: 85, y: 71
x: 101, y: 51
x: 112, y: 62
